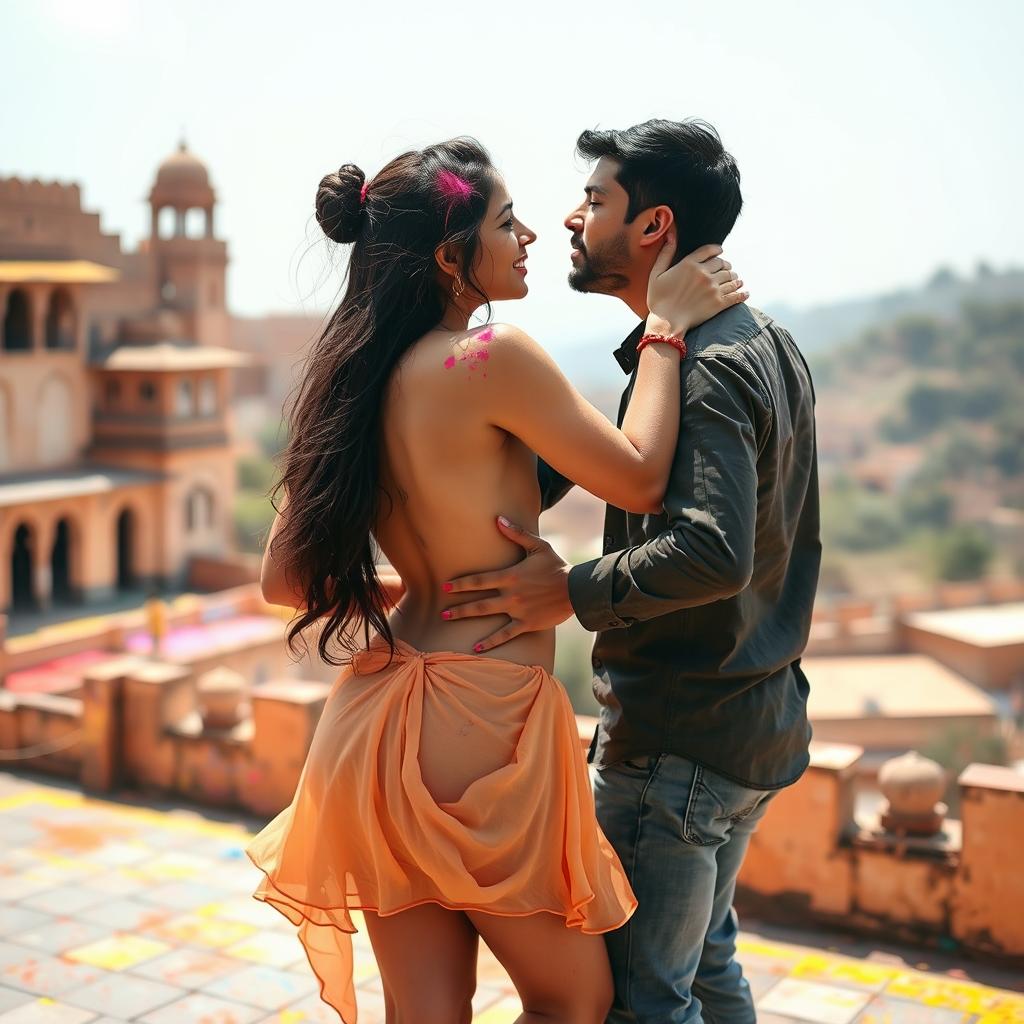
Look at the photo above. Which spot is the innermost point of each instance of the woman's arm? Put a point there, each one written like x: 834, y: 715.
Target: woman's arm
x: 532, y: 399
x: 629, y: 467
x: 277, y: 589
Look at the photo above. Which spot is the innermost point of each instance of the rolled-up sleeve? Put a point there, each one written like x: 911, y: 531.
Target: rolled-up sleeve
x: 553, y: 486
x: 706, y: 551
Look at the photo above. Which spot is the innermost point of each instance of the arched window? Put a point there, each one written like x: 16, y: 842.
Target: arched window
x: 184, y: 404
x: 207, y: 396
x: 195, y: 223
x: 18, y: 322
x: 60, y: 321
x: 165, y: 221
x: 198, y: 509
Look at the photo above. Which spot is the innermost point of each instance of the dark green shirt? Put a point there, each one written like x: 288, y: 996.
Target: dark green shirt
x: 703, y: 610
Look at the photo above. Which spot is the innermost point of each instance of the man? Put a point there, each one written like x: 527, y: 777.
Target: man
x: 701, y: 612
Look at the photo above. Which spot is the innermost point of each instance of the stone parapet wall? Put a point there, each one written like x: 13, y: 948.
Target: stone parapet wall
x: 810, y: 862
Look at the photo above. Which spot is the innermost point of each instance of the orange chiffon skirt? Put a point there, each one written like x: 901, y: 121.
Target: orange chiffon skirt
x: 443, y: 778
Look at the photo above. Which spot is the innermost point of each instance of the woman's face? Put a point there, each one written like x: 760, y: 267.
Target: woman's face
x: 500, y: 266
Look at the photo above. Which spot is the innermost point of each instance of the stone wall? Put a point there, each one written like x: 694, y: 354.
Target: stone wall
x: 810, y: 862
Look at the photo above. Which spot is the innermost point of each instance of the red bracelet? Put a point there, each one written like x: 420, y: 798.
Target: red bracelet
x: 665, y: 339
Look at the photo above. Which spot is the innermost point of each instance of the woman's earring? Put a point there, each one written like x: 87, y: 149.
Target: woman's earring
x: 458, y: 285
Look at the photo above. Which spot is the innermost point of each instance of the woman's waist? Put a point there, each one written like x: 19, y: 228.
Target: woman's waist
x: 423, y: 629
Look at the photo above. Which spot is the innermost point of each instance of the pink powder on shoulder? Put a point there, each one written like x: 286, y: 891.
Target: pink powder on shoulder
x: 487, y: 334
x: 449, y: 362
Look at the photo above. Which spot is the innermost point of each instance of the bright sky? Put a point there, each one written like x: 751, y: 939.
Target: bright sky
x: 876, y: 140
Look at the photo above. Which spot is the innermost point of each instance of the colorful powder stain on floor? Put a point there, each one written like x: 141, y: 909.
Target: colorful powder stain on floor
x: 117, y: 912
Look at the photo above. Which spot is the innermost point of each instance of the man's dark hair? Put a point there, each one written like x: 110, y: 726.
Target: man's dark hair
x: 680, y: 164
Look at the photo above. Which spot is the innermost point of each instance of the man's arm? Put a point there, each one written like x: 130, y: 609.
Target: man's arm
x: 706, y: 552
x: 553, y: 486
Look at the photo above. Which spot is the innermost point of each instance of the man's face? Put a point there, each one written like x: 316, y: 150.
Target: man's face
x: 602, y: 256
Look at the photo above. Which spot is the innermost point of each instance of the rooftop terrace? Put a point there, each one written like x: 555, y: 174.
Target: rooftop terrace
x: 121, y: 909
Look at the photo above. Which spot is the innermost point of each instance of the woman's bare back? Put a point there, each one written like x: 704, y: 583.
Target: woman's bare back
x: 447, y: 473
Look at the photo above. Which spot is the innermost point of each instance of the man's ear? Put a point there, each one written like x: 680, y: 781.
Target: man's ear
x: 657, y: 221
x: 445, y: 255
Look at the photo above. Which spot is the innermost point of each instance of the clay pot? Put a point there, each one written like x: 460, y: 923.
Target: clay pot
x: 913, y: 785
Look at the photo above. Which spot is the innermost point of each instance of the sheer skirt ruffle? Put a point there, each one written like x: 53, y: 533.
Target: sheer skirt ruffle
x: 443, y: 778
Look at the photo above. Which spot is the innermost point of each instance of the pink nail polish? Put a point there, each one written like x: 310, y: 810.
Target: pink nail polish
x: 447, y: 588
x: 446, y: 614
x: 477, y: 648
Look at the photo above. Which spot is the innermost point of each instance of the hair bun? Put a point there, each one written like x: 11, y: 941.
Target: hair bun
x: 339, y: 204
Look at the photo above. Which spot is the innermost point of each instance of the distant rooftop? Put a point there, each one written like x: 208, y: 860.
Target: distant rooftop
x: 890, y: 686
x: 167, y: 355
x: 56, y: 272
x: 75, y: 482
x: 990, y: 626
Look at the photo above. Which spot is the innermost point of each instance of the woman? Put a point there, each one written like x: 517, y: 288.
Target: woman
x: 445, y: 795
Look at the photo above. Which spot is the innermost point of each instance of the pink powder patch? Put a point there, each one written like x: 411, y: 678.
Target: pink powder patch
x: 487, y: 334
x: 483, y: 354
x: 449, y: 362
x: 452, y: 187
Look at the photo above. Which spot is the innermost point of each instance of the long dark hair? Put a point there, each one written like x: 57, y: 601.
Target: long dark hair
x: 394, y: 294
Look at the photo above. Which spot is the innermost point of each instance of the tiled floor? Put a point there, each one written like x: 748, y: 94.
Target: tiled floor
x: 113, y: 912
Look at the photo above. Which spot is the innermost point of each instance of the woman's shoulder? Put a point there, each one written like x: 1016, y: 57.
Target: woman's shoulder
x: 505, y: 341
x: 493, y: 351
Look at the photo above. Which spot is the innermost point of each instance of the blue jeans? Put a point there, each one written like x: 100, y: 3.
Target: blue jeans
x: 681, y: 831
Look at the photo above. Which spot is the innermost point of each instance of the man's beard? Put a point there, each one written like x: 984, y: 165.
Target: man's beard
x: 602, y: 269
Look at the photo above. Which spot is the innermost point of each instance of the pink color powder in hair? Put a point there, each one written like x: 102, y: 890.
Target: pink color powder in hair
x: 454, y: 190
x: 362, y: 192
x: 452, y: 187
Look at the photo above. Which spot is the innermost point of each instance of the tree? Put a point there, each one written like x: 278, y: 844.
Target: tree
x: 925, y: 503
x: 944, y: 277
x: 856, y: 520
x: 273, y: 437
x: 255, y: 474
x: 918, y: 337
x: 254, y: 516
x: 963, y: 554
x: 930, y: 406
x: 1009, y: 449
x: 956, y: 747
